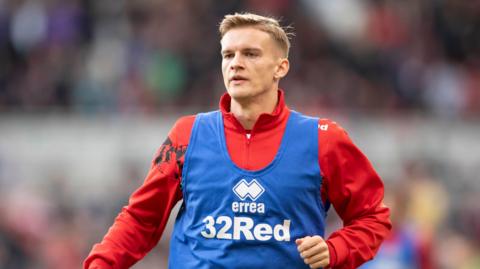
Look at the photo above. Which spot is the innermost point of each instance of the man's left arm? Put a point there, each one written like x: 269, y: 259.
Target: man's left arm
x: 356, y: 191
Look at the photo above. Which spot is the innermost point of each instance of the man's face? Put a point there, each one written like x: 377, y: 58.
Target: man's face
x: 252, y: 63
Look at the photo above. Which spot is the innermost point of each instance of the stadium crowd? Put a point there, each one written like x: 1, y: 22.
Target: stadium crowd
x: 147, y: 57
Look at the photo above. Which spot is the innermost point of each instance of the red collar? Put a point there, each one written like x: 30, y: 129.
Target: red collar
x: 266, y: 121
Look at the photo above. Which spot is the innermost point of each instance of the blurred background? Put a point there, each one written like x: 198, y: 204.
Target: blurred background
x: 89, y: 90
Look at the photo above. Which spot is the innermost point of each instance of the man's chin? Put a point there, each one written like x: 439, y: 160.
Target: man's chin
x: 239, y: 92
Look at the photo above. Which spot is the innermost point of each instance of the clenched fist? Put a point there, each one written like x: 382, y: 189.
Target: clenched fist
x: 314, y: 251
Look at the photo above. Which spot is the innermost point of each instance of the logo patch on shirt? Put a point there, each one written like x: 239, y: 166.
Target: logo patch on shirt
x: 251, y: 189
x: 323, y: 127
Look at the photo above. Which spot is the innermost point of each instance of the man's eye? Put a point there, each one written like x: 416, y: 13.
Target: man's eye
x: 227, y: 56
x: 250, y: 54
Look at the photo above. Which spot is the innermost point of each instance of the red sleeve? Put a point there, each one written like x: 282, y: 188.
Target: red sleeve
x: 356, y: 192
x: 138, y: 227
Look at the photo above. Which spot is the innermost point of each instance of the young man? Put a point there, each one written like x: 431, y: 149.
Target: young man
x: 256, y: 178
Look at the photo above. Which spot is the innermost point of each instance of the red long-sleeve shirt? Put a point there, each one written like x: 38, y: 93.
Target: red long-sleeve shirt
x: 350, y: 184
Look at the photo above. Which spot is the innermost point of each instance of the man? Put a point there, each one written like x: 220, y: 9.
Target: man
x: 256, y: 178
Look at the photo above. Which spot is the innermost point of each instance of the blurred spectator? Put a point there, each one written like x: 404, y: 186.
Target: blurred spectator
x: 405, y: 248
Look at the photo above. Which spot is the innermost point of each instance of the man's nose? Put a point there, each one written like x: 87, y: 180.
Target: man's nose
x: 237, y: 62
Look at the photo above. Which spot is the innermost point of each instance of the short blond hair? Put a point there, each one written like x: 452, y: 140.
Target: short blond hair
x: 281, y: 35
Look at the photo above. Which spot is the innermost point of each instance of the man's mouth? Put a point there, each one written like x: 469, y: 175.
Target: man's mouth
x: 238, y: 78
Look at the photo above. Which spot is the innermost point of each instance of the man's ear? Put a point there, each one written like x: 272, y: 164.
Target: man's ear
x: 281, y: 69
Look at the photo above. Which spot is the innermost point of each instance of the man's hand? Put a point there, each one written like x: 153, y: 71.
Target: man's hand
x: 314, y: 251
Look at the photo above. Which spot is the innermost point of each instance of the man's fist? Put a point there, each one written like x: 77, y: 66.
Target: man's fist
x: 314, y: 251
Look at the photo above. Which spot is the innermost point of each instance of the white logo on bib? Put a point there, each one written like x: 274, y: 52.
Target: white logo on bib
x: 251, y: 189
x: 244, y: 227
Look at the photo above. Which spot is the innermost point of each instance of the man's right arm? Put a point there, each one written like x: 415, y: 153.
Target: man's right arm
x: 138, y: 227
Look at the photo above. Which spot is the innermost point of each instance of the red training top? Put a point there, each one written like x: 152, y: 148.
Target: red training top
x: 350, y: 184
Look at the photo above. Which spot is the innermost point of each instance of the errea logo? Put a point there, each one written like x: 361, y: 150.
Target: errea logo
x: 251, y: 189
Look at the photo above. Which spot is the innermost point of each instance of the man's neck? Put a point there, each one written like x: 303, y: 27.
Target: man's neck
x: 248, y: 111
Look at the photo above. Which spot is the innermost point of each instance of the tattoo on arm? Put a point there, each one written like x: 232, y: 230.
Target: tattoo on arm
x: 169, y: 152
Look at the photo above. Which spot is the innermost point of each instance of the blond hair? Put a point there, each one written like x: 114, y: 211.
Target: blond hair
x: 269, y: 25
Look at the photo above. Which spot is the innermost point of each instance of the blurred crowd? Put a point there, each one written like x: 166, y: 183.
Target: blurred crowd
x: 380, y: 57
x: 152, y: 55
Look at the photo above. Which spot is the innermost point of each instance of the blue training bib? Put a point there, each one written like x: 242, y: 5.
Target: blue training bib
x: 235, y: 218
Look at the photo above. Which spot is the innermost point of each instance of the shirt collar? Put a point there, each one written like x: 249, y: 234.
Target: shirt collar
x: 266, y: 121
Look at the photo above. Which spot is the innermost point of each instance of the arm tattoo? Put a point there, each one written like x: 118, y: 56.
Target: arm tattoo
x: 168, y: 152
